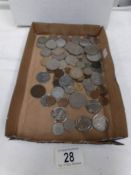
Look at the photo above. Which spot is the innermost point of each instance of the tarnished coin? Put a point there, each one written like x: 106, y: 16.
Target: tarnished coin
x: 93, y: 106
x: 59, y: 114
x: 69, y: 125
x: 96, y: 78
x: 95, y: 94
x: 88, y: 85
x: 71, y: 60
x: 78, y: 87
x: 47, y: 100
x: 58, y: 73
x: 38, y: 91
x: 60, y: 42
x: 94, y: 58
x: 100, y: 122
x: 87, y: 71
x: 63, y: 102
x: 69, y: 89
x: 84, y: 42
x: 76, y: 73
x: 52, y: 64
x: 58, y: 129
x: 65, y: 81
x: 83, y: 124
x: 51, y: 44
x: 45, y: 52
x: 63, y: 64
x: 67, y: 70
x: 73, y: 48
x: 92, y: 49
x: 56, y: 83
x: 57, y: 92
x: 103, y: 90
x: 77, y: 100
x: 41, y: 41
x: 104, y: 100
x: 59, y: 54
x: 43, y: 77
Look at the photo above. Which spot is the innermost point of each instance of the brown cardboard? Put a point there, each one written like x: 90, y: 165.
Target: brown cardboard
x: 28, y: 120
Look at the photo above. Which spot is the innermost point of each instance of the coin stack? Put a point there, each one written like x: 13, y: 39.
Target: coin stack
x: 78, y: 81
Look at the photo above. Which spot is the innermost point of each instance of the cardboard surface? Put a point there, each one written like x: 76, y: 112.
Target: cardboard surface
x: 28, y: 120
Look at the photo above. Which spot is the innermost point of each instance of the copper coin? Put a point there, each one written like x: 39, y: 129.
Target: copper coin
x: 38, y: 91
x: 95, y: 94
x: 56, y: 83
x: 50, y: 100
x: 63, y: 102
x: 58, y: 73
x: 103, y: 100
x: 103, y: 90
x: 67, y: 70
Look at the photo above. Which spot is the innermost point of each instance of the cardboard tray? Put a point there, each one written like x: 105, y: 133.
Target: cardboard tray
x: 28, y: 120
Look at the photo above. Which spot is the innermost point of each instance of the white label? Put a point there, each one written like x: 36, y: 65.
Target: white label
x: 68, y: 157
x: 105, y: 53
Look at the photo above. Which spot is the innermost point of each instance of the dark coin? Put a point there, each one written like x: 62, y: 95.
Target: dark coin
x: 95, y: 94
x: 103, y: 90
x: 56, y: 83
x: 63, y: 102
x: 47, y: 100
x: 103, y: 100
x: 96, y: 64
x: 38, y: 91
x: 67, y: 70
x: 83, y: 124
x: 58, y: 73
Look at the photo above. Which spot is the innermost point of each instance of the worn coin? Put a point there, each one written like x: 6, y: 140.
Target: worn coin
x: 65, y: 81
x: 88, y: 85
x: 104, y: 100
x: 76, y: 73
x: 57, y: 92
x: 63, y: 102
x: 69, y: 125
x: 96, y: 78
x: 41, y: 41
x: 59, y: 114
x: 78, y: 87
x: 80, y: 64
x: 77, y: 100
x: 69, y: 89
x: 76, y: 39
x: 83, y: 123
x: 91, y: 49
x: 87, y: 71
x: 47, y: 100
x: 95, y: 94
x: 73, y: 48
x: 93, y: 106
x: 63, y: 64
x: 96, y: 65
x: 71, y: 60
x: 51, y: 44
x: 94, y: 58
x: 43, y: 77
x: 60, y: 42
x: 100, y: 122
x: 59, y: 54
x: 103, y: 90
x: 45, y: 52
x: 84, y: 42
x: 67, y: 70
x: 52, y: 64
x: 58, y: 129
x: 58, y: 73
x: 38, y: 91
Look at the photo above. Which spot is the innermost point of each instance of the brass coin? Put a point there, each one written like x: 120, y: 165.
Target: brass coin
x: 50, y: 100
x: 63, y: 102
x: 58, y: 73
x: 103, y: 100
x: 38, y: 91
x: 95, y: 94
x: 78, y: 87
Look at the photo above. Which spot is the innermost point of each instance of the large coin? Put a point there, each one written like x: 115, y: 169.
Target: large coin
x: 65, y: 81
x: 83, y: 124
x: 43, y: 77
x: 71, y: 60
x: 57, y: 93
x: 77, y: 100
x: 45, y: 52
x: 100, y: 122
x: 93, y: 106
x: 94, y: 58
x: 73, y: 48
x: 58, y: 129
x: 96, y: 78
x: 59, y: 114
x: 60, y: 42
x: 47, y: 100
x: 52, y: 64
x: 51, y: 44
x: 76, y: 73
x: 88, y: 85
x: 69, y: 125
x: 38, y: 91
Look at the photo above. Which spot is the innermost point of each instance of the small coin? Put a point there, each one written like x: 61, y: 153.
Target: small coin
x: 104, y: 100
x: 83, y: 124
x: 96, y: 78
x: 51, y: 44
x: 76, y: 73
x: 59, y: 114
x: 93, y: 106
x: 84, y: 42
x: 100, y: 122
x: 103, y: 90
x: 71, y: 60
x: 69, y: 89
x: 95, y: 94
x: 94, y: 58
x: 74, y: 48
x: 47, y: 100
x: 38, y: 91
x: 58, y: 73
x: 77, y: 100
x: 65, y: 81
x: 87, y: 71
x: 63, y: 102
x: 63, y: 64
x: 88, y: 85
x: 69, y: 125
x: 92, y: 49
x: 56, y: 83
x: 45, y: 52
x: 52, y: 64
x: 60, y: 42
x: 58, y: 129
x: 43, y: 77
x: 57, y: 93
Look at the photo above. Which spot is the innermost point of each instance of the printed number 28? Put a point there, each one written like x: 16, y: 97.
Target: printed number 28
x: 69, y: 157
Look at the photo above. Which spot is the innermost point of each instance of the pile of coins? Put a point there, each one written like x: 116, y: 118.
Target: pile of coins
x: 78, y: 81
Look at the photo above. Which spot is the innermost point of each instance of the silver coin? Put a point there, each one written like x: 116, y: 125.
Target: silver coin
x: 76, y: 39
x: 94, y: 58
x: 58, y: 51
x: 43, y: 77
x: 43, y: 100
x: 74, y: 49
x: 96, y: 78
x: 100, y: 122
x: 65, y: 81
x: 69, y: 89
x: 83, y: 124
x: 77, y: 100
x: 58, y: 129
x: 88, y: 85
x: 51, y: 44
x: 60, y: 42
x: 84, y: 42
x: 63, y: 64
x: 71, y: 60
x: 52, y: 64
x: 59, y: 114
x: 45, y: 52
x: 87, y: 71
x: 41, y: 41
x: 69, y: 125
x: 57, y: 93
x: 93, y: 106
x: 80, y: 64
x: 76, y: 73
x: 92, y: 49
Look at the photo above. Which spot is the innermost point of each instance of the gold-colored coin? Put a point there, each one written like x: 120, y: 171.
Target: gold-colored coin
x: 78, y: 87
